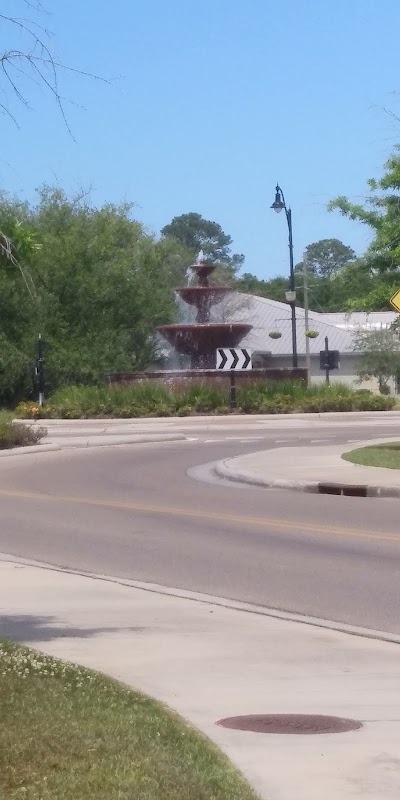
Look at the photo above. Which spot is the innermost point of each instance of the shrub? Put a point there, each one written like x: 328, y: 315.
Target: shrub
x: 374, y: 402
x: 28, y: 410
x: 225, y: 410
x: 151, y: 399
x: 184, y: 411
x: 203, y: 398
x: 16, y: 434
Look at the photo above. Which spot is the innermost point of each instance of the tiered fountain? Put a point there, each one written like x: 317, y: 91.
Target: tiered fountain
x: 200, y: 339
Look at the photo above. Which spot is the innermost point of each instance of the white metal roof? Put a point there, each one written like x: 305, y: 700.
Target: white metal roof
x: 361, y: 320
x: 269, y: 315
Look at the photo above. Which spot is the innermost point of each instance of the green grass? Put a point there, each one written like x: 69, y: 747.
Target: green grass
x: 151, y: 399
x: 70, y: 734
x: 16, y: 434
x: 379, y: 455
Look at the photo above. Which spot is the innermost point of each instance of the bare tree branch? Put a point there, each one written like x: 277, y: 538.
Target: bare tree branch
x: 36, y: 62
x: 7, y: 251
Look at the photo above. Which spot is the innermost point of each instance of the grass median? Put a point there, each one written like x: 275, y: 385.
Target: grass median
x: 67, y: 733
x: 378, y: 455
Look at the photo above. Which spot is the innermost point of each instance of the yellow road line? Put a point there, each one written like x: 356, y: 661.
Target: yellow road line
x: 262, y: 522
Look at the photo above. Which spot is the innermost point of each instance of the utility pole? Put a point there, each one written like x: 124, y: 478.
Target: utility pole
x: 306, y: 324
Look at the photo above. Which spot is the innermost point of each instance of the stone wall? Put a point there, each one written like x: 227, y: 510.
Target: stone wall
x: 180, y: 378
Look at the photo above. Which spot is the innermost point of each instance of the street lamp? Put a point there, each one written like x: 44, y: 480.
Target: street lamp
x: 279, y: 205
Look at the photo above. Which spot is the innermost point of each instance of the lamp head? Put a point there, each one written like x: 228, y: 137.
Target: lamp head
x: 278, y: 205
x: 290, y: 296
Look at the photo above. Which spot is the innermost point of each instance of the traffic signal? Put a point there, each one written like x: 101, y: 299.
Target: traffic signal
x: 329, y: 359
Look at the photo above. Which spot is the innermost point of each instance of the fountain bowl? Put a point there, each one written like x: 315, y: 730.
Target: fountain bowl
x: 201, y: 295
x: 204, y: 338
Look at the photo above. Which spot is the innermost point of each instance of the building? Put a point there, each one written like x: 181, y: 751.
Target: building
x: 269, y: 316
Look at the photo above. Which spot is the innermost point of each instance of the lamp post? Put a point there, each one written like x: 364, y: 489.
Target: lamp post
x: 278, y: 205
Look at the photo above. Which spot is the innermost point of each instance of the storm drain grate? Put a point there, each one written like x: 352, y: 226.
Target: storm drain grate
x: 339, y: 489
x: 297, y: 724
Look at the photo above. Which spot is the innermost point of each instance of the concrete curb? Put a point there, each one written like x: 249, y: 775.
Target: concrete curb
x: 234, y: 475
x: 213, y: 600
x: 83, y: 443
x: 30, y: 450
x: 111, y: 440
x: 313, y: 487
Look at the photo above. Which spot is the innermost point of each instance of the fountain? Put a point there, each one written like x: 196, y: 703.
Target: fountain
x: 200, y: 339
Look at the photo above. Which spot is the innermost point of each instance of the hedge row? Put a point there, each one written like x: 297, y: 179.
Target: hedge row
x: 156, y: 400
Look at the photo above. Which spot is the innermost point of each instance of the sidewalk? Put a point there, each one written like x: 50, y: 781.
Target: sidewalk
x: 312, y: 469
x: 208, y: 662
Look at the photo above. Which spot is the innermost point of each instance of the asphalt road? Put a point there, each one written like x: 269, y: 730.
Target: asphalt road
x: 135, y: 512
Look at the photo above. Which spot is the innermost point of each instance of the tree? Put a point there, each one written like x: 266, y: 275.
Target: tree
x: 274, y: 288
x: 380, y: 356
x: 100, y: 289
x: 331, y: 275
x: 195, y: 233
x: 381, y: 213
x: 29, y: 54
x: 30, y: 57
x: 327, y: 257
x: 328, y: 290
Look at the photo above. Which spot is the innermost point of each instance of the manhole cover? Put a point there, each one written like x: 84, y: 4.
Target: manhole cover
x: 290, y: 723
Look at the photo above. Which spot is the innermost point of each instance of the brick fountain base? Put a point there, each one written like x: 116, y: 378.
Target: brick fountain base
x: 180, y: 377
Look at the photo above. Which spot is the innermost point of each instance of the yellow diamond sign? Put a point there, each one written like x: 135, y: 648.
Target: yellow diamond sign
x: 395, y: 300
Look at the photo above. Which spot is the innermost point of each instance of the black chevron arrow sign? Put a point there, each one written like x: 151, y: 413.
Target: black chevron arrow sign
x: 247, y: 362
x: 233, y: 358
x: 222, y: 359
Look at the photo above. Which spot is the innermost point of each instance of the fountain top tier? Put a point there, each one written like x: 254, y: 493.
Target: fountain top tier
x: 201, y: 339
x: 203, y: 271
x: 203, y: 296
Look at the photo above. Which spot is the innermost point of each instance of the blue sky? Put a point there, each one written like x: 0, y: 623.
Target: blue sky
x: 211, y: 104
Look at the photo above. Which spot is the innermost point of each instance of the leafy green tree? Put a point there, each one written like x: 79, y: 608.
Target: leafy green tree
x: 381, y: 213
x: 274, y: 288
x: 27, y: 53
x: 380, y: 356
x: 18, y: 244
x: 327, y: 257
x: 175, y: 259
x: 195, y: 233
x: 101, y: 285
x: 106, y: 287
x: 327, y: 261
